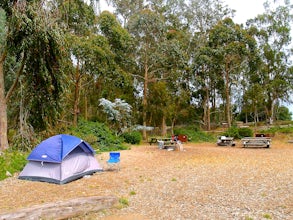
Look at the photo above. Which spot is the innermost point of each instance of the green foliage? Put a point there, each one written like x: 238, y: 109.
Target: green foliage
x: 2, y: 27
x: 195, y: 134
x: 123, y: 202
x: 284, y: 114
x: 245, y: 132
x: 238, y: 132
x: 99, y: 136
x: 133, y: 137
x: 132, y: 193
x: 267, y: 216
x: 35, y: 42
x: 11, y: 161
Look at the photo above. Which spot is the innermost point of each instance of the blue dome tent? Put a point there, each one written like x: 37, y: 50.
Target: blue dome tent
x: 60, y: 159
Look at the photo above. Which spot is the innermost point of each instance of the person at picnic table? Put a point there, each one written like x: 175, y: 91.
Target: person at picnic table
x: 175, y: 138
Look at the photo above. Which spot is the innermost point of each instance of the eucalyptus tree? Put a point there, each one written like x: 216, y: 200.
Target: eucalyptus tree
x: 120, y: 43
x: 32, y: 36
x: 124, y: 9
x: 148, y: 29
x: 201, y: 16
x: 231, y: 46
x: 273, y: 33
x: 253, y: 102
x: 96, y: 46
x: 159, y: 56
x: 78, y: 19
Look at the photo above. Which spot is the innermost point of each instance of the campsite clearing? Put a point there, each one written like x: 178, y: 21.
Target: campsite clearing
x: 201, y: 182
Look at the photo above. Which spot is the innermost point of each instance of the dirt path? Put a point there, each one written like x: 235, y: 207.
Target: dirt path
x: 202, y: 182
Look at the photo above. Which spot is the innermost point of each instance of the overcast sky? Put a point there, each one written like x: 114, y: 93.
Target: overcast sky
x: 245, y: 9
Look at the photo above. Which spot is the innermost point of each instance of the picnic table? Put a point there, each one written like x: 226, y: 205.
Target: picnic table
x: 167, y: 143
x: 225, y: 141
x: 256, y: 142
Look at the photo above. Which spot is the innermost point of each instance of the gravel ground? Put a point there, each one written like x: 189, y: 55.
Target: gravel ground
x: 202, y: 182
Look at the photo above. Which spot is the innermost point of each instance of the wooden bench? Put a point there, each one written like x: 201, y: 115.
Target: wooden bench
x: 256, y: 142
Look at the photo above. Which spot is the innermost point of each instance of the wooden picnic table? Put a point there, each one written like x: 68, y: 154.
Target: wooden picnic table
x: 256, y: 142
x: 166, y: 143
x: 225, y: 141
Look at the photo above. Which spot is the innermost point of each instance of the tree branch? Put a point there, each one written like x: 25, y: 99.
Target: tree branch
x: 19, y: 72
x: 4, y: 54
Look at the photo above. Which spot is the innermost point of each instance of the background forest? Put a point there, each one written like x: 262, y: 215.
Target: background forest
x: 66, y: 67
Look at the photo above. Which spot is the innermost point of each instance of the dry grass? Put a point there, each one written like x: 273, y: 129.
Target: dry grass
x: 202, y: 182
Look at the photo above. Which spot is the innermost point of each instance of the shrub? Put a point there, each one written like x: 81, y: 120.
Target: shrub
x: 238, y: 132
x: 232, y: 132
x: 133, y: 137
x: 98, y: 135
x: 195, y: 134
x: 245, y: 132
x: 11, y: 161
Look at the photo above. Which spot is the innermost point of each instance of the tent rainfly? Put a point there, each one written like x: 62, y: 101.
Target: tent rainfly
x: 60, y: 159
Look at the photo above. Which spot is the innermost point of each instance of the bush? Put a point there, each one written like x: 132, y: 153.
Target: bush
x: 133, y: 137
x: 12, y: 162
x: 194, y: 134
x: 232, y: 132
x: 245, y: 132
x: 238, y: 132
x: 98, y: 135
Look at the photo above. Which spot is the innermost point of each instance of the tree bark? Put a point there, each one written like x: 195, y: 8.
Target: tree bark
x: 144, y: 102
x: 207, y: 118
x: 227, y: 93
x: 3, y: 108
x: 76, y: 95
x: 164, y: 127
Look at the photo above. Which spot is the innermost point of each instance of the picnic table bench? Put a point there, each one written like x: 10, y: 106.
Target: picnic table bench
x: 256, y: 141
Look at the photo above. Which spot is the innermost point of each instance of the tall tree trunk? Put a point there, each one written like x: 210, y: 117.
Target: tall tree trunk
x: 255, y: 115
x: 208, y: 109
x: 76, y: 95
x: 205, y: 112
x: 173, y: 125
x: 164, y: 127
x: 85, y: 108
x: 3, y: 108
x: 145, y: 102
x: 227, y: 93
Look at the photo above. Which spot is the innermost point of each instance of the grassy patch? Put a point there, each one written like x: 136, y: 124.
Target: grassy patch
x: 12, y: 162
x: 123, y: 202
x: 267, y: 216
x: 194, y: 134
x: 132, y: 193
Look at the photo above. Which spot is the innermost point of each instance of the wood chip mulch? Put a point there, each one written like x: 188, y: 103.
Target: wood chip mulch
x: 204, y: 181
